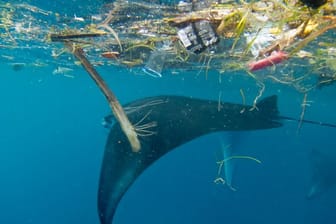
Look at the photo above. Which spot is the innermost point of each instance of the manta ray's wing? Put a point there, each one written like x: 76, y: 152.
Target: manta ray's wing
x: 172, y: 121
x: 323, y: 172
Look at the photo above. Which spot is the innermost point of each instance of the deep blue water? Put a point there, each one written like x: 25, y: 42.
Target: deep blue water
x: 52, y: 143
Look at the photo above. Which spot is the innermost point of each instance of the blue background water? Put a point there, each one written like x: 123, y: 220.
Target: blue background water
x: 52, y: 142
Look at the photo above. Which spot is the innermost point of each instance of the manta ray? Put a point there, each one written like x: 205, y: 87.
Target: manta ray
x: 164, y: 123
x: 323, y: 176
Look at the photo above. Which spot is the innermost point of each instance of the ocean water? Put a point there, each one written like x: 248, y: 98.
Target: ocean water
x: 52, y: 142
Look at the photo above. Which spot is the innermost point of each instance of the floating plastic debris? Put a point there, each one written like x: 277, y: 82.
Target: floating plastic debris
x: 275, y: 58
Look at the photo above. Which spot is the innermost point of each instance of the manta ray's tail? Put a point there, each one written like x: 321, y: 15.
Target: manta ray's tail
x: 309, y: 121
x: 268, y: 106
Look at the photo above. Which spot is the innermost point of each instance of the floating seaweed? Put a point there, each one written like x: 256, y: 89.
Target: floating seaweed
x: 252, y: 37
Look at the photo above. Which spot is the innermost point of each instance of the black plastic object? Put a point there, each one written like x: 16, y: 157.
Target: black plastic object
x: 189, y: 39
x: 206, y: 33
x: 314, y: 3
x: 197, y: 36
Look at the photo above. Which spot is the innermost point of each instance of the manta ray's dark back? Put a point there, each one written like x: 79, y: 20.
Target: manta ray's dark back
x: 163, y: 123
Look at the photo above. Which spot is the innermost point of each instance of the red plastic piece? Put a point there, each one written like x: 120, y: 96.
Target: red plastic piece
x: 275, y: 58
